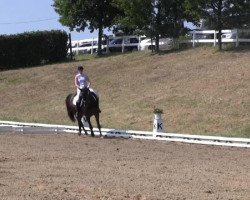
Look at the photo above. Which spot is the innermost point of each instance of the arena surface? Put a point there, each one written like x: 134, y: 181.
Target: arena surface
x: 69, y: 167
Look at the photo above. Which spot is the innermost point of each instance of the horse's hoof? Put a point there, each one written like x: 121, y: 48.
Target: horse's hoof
x: 79, y: 134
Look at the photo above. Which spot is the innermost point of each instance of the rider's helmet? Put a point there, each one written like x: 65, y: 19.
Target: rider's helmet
x: 80, y: 67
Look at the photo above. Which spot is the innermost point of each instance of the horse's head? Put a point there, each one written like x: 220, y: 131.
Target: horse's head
x: 86, y: 94
x: 89, y: 96
x: 84, y: 90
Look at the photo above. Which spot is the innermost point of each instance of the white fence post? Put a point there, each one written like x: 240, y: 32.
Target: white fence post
x: 92, y: 44
x: 123, y: 44
x: 139, y: 46
x: 193, y: 38
x: 77, y: 48
x: 215, y: 38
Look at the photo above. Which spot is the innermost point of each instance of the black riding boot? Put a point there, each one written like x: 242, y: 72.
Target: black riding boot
x: 78, y: 104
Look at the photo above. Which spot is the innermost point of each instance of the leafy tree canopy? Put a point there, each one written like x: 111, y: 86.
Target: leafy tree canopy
x: 221, y: 14
x: 152, y: 17
x: 91, y: 14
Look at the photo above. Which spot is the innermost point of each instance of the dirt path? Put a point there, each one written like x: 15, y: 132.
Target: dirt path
x: 72, y: 167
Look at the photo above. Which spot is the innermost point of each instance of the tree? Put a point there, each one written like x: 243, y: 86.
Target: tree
x: 170, y: 17
x: 93, y: 14
x: 136, y: 16
x: 238, y: 14
x: 220, y: 14
x: 153, y: 18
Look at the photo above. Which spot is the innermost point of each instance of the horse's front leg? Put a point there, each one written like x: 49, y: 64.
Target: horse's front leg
x: 90, y: 126
x: 86, y: 133
x: 81, y: 126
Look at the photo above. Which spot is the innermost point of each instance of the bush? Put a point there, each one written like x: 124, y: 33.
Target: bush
x: 33, y: 48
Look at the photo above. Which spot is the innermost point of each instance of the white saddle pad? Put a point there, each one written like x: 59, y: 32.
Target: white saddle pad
x: 77, y: 96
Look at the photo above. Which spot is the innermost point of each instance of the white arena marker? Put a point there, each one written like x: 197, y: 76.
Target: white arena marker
x: 158, y: 124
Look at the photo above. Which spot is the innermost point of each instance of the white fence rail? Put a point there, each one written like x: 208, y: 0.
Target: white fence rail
x: 231, y: 36
x: 33, y: 128
x: 238, y: 36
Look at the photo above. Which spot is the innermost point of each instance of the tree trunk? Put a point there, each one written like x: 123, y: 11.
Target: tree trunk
x: 219, y: 24
x: 100, y: 33
x: 157, y: 39
x: 158, y: 25
x: 70, y: 47
x: 151, y: 38
x: 219, y: 39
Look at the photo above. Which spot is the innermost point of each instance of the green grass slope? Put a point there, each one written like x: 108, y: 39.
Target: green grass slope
x: 200, y: 90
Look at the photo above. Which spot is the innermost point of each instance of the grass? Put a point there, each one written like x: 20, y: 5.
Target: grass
x: 81, y: 57
x: 200, y: 90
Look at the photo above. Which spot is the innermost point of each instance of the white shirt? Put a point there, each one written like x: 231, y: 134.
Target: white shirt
x: 82, y: 80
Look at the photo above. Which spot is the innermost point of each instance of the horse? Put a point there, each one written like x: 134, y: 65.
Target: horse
x: 91, y: 108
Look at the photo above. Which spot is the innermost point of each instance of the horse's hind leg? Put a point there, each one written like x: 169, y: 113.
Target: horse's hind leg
x: 86, y: 133
x: 80, y: 126
x: 98, y: 123
x: 90, y: 126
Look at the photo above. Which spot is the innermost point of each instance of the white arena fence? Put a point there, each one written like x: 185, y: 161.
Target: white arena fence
x: 36, y: 128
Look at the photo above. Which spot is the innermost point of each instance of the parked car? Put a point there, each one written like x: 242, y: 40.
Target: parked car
x: 164, y: 44
x: 130, y: 44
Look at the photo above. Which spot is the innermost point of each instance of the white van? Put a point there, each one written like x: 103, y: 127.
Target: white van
x: 164, y: 44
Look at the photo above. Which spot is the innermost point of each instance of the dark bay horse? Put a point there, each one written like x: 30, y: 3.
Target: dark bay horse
x: 91, y: 108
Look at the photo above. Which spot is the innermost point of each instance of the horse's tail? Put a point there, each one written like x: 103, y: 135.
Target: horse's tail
x: 70, y: 109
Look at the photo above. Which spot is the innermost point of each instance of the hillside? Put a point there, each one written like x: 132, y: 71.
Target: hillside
x: 200, y: 90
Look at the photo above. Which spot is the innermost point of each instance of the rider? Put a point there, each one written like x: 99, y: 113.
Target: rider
x: 82, y: 82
